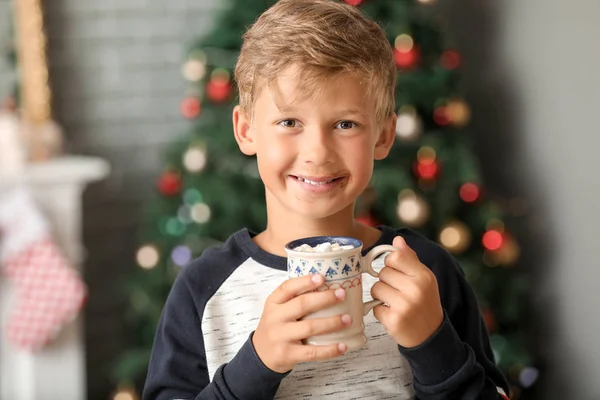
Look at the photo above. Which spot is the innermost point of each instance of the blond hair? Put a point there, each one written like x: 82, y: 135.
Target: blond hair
x: 324, y: 38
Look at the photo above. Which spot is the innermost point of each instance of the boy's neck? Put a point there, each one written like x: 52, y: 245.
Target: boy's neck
x: 282, y: 229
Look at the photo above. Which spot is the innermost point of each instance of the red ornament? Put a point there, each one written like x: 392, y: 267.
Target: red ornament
x: 441, y: 116
x: 492, y: 240
x: 427, y: 169
x: 169, y: 183
x: 9, y: 104
x: 367, y: 219
x: 450, y: 59
x: 218, y: 90
x: 406, y: 59
x: 469, y: 192
x: 190, y: 107
x: 354, y: 2
x: 490, y: 320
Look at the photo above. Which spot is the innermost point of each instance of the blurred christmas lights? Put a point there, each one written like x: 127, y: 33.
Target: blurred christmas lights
x: 455, y: 236
x: 181, y: 255
x: 412, y: 209
x: 450, y: 59
x: 408, y: 124
x: 201, y: 213
x: 169, y: 183
x: 194, y: 159
x: 194, y: 70
x: 469, y: 192
x: 147, y: 257
x: 190, y: 107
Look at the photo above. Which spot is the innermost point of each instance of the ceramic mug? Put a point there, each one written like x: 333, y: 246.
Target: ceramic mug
x: 341, y: 269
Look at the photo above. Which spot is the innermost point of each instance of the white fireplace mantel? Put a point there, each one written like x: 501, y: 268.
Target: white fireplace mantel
x: 58, y: 371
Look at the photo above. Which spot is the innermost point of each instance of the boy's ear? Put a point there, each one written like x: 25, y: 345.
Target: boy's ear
x: 243, y: 132
x: 386, y: 138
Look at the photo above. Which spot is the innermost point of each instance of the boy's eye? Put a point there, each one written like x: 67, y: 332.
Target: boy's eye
x: 346, y: 125
x: 289, y: 123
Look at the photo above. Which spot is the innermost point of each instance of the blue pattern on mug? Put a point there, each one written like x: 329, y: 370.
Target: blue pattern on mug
x: 331, y: 268
x: 327, y: 268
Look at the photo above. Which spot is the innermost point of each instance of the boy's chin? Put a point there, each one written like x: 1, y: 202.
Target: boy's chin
x: 315, y: 212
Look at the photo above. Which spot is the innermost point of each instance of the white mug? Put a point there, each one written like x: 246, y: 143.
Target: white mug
x: 341, y: 269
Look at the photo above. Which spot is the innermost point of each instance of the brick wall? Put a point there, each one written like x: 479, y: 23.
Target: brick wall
x: 115, y: 71
x: 7, y: 75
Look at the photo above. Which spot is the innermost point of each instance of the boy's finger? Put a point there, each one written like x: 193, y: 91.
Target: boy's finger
x: 309, y: 303
x: 404, y: 259
x: 394, y: 278
x: 382, y: 314
x: 301, y: 330
x: 385, y: 293
x: 295, y: 286
x: 404, y: 248
x: 310, y: 353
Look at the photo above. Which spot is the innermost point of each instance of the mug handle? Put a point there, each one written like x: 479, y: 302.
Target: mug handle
x: 368, y: 268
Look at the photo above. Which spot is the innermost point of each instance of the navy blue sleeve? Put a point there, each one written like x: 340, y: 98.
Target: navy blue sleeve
x: 178, y: 368
x: 457, y: 361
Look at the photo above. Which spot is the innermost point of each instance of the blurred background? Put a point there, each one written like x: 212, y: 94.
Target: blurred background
x: 123, y: 78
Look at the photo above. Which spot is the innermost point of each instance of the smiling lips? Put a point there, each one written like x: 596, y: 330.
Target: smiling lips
x: 318, y: 184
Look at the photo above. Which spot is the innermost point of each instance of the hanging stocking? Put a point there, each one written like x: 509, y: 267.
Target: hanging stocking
x: 49, y: 292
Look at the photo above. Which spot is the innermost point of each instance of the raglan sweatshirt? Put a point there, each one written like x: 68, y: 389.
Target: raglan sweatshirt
x: 203, y: 346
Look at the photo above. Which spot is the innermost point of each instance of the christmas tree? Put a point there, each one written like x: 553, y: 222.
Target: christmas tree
x: 430, y: 182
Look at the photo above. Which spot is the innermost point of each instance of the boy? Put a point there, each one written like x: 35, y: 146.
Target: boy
x: 316, y: 81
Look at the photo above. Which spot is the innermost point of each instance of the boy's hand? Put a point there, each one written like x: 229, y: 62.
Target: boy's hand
x: 413, y: 312
x: 278, y: 337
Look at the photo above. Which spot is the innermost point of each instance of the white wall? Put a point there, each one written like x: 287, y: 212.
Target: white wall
x: 554, y: 53
x: 533, y: 76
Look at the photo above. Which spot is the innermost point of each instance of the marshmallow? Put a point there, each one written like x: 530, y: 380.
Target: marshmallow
x: 325, y: 247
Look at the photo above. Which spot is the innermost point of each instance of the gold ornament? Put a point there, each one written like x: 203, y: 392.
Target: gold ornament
x: 509, y: 253
x: 456, y: 237
x: 412, y: 209
x: 201, y: 213
x: 194, y: 70
x: 194, y: 159
x: 459, y: 112
x: 147, y: 257
x: 495, y: 224
x: 404, y: 43
x: 426, y: 154
x: 489, y: 258
x: 408, y: 124
x: 220, y: 75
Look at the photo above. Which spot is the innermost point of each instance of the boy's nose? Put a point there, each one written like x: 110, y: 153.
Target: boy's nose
x: 316, y: 147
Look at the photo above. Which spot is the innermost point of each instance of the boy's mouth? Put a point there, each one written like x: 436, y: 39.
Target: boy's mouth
x: 318, y: 181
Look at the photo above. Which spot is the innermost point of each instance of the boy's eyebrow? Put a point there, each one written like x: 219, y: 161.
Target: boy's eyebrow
x: 348, y: 111
x: 358, y: 111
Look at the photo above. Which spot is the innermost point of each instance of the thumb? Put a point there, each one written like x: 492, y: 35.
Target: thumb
x: 399, y: 243
x: 402, y: 246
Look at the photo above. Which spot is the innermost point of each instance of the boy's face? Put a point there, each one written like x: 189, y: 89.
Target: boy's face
x: 315, y: 155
